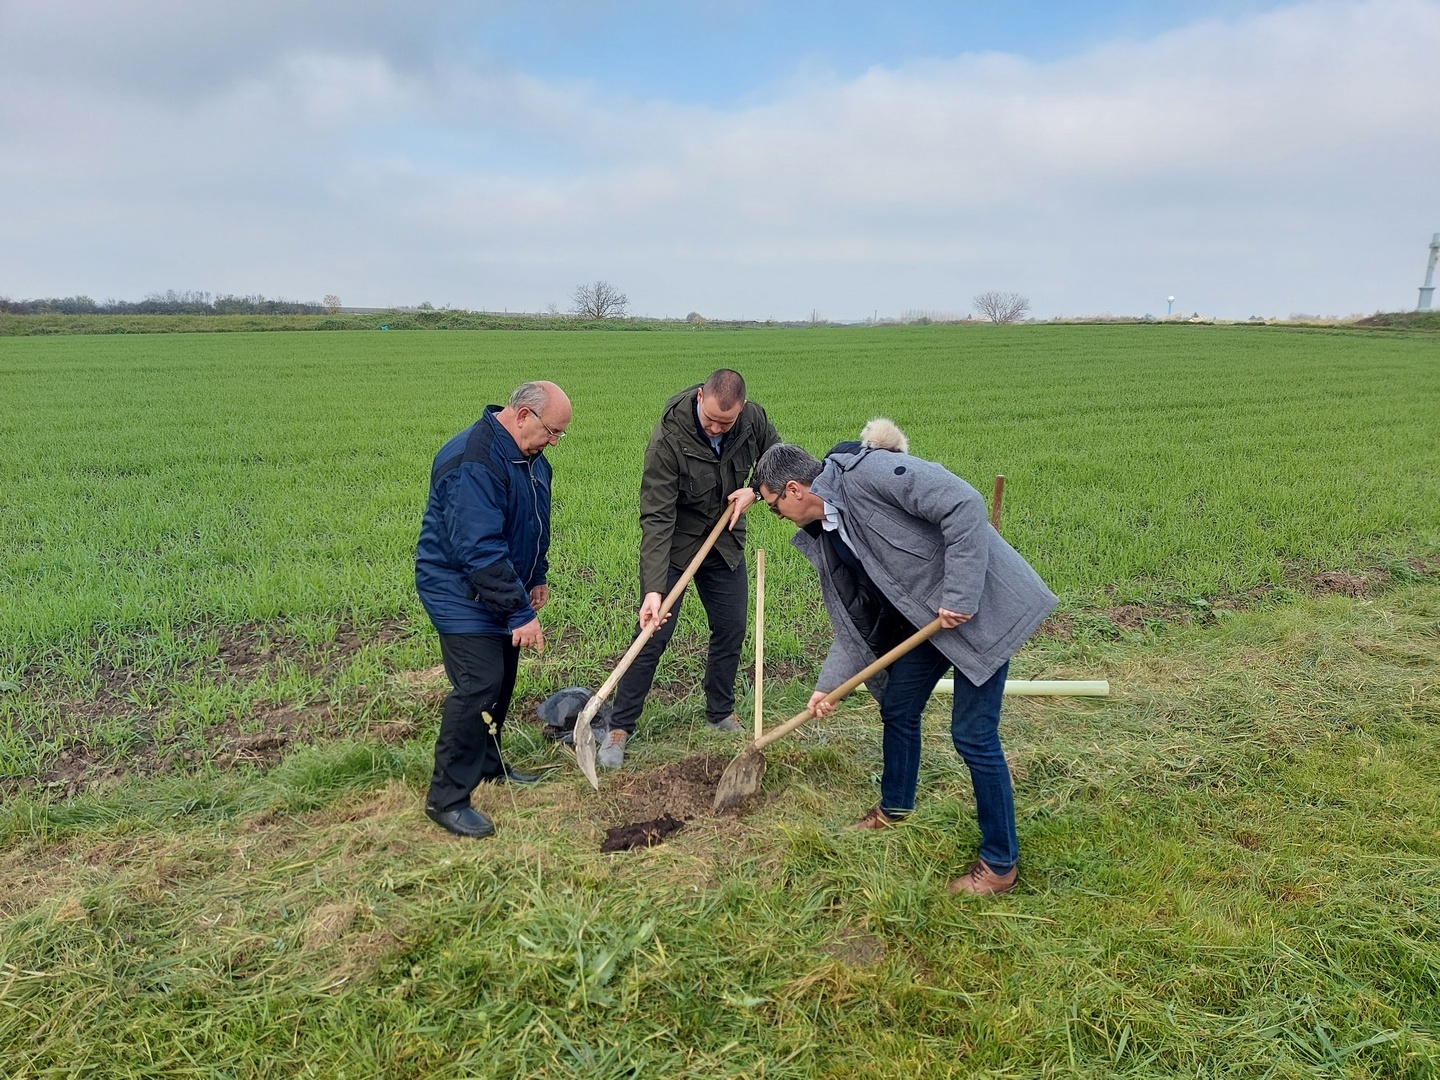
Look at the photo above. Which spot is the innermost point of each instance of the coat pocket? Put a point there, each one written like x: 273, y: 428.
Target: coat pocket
x: 1001, y: 610
x: 902, y: 537
x: 700, y: 480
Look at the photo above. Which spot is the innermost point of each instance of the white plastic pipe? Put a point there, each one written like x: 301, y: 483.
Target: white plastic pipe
x: 1043, y: 687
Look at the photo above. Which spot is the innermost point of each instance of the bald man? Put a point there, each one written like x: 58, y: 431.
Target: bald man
x: 480, y: 570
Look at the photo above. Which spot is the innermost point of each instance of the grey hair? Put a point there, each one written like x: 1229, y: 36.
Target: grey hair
x: 530, y: 395
x: 782, y: 463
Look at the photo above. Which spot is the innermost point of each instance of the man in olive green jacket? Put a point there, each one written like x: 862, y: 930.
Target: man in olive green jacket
x: 699, y: 458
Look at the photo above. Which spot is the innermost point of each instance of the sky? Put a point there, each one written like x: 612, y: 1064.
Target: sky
x: 739, y: 158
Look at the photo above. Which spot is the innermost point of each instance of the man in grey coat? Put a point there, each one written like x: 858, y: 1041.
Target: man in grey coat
x: 898, y: 541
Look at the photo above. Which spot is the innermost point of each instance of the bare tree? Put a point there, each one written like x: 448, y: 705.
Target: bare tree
x: 332, y: 303
x: 600, y: 301
x: 1001, y: 307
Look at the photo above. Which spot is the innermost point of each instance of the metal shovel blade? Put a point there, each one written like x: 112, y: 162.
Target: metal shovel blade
x: 585, y: 741
x: 740, y: 780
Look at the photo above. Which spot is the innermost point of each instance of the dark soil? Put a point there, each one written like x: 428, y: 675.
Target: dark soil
x: 642, y: 834
x: 684, y: 789
x: 1337, y: 581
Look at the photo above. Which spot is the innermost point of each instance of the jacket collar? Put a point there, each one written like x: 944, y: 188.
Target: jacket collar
x: 503, y: 438
x: 683, y: 413
x: 828, y: 484
x: 700, y: 431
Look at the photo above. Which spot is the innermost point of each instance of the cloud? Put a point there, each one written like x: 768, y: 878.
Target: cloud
x: 1278, y: 162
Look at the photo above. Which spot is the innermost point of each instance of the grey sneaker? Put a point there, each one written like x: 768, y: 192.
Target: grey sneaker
x: 611, y: 754
x: 730, y: 723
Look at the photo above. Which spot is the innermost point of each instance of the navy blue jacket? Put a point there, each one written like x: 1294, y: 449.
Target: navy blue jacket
x: 485, y: 532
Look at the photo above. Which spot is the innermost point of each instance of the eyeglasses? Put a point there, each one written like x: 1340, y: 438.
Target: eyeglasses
x: 774, y: 504
x: 556, y: 435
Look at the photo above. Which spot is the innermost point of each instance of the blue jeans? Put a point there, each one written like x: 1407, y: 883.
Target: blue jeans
x: 975, y: 730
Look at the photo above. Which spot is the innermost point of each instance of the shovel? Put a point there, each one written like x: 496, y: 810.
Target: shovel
x: 584, y: 737
x: 741, y: 778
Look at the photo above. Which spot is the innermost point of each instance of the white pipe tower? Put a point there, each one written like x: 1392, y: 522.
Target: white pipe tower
x: 1427, y: 291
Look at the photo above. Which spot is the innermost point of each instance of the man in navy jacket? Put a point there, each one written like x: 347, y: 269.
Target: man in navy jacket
x: 480, y: 570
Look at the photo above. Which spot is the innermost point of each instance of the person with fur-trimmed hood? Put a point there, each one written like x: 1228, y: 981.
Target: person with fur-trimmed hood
x: 898, y: 541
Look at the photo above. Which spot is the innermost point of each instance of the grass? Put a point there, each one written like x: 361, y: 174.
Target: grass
x: 214, y: 738
x: 165, y: 490
x: 1230, y: 869
x: 169, y: 479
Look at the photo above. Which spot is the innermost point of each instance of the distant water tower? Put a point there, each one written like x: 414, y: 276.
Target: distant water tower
x: 1169, y: 305
x: 1427, y: 291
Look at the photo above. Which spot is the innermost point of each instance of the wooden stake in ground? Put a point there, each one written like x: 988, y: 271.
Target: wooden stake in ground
x: 742, y: 776
x: 995, y: 502
x: 759, y: 637
x: 584, y: 737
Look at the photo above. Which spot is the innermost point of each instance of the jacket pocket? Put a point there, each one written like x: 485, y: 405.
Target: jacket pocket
x: 700, y: 480
x: 901, y: 537
x: 1001, y: 610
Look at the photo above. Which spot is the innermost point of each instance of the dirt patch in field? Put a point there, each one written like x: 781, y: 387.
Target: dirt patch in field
x: 642, y: 834
x: 139, y: 696
x: 1127, y: 616
x: 1337, y: 581
x: 105, y: 723
x: 230, y: 744
x: 241, y: 653
x: 683, y: 789
x: 328, y: 923
x: 856, y: 950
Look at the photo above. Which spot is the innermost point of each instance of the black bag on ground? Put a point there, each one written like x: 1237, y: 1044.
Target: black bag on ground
x: 560, y: 710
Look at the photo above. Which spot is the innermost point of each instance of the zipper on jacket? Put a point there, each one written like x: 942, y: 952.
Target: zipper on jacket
x: 535, y: 506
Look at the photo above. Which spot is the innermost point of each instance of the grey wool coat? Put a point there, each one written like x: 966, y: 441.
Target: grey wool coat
x: 923, y: 536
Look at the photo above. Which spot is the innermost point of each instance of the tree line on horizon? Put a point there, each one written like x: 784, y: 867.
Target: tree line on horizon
x: 167, y: 303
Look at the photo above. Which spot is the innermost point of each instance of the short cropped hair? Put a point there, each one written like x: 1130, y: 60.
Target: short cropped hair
x: 727, y: 387
x: 782, y: 463
x: 530, y: 395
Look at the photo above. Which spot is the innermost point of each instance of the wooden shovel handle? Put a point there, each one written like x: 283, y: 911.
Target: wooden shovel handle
x: 668, y: 603
x: 920, y: 636
x: 759, y: 638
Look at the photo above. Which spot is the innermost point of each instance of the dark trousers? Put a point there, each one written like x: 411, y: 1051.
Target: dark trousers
x: 975, y: 731
x: 481, y: 668
x: 725, y: 593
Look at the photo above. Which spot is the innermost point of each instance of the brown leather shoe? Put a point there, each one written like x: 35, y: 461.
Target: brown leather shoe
x: 874, y: 818
x: 980, y: 880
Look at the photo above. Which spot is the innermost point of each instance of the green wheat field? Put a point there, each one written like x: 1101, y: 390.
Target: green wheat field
x: 218, y: 702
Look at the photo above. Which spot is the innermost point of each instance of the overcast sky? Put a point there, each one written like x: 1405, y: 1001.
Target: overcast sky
x: 740, y: 158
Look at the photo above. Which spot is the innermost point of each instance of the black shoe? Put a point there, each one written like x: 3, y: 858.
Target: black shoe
x: 510, y: 776
x: 462, y: 821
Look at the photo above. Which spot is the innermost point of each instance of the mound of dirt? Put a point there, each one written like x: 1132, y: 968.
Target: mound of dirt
x: 683, y: 789
x: 640, y: 834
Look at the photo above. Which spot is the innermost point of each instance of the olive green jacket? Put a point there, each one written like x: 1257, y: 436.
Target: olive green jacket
x: 685, y: 486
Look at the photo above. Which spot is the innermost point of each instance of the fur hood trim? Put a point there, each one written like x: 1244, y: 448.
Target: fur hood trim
x: 883, y: 434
